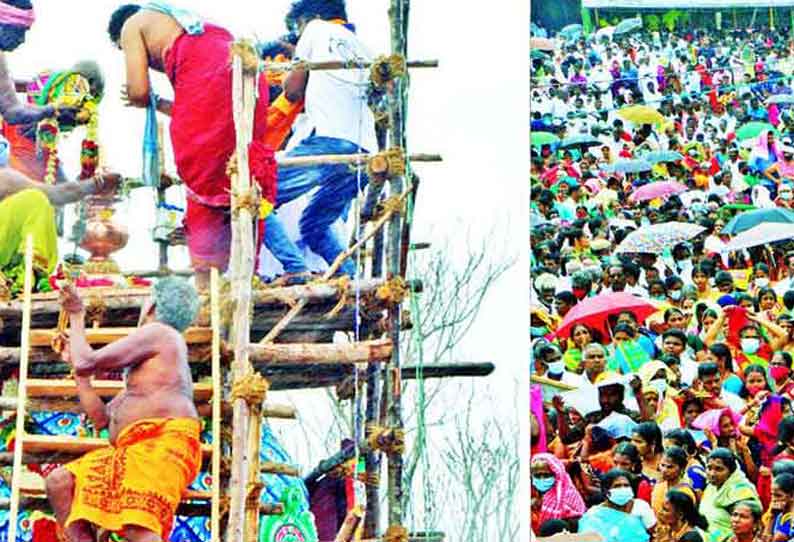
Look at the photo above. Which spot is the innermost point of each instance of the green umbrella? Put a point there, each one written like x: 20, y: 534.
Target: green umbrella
x: 754, y: 129
x: 538, y: 139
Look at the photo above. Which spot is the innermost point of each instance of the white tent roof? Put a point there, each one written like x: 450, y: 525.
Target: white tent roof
x: 685, y: 4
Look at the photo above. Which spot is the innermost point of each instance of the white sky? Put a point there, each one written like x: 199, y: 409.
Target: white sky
x: 472, y: 110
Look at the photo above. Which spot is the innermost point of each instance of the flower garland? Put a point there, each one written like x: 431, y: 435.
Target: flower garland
x: 72, y: 90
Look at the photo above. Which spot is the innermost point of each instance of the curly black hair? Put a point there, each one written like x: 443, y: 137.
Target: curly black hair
x: 118, y: 18
x: 311, y: 9
x: 11, y: 35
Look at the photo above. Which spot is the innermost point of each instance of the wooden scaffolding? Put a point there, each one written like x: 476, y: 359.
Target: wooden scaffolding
x: 233, y: 345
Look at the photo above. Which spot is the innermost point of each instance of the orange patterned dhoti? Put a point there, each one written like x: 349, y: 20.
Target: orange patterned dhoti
x: 140, y: 480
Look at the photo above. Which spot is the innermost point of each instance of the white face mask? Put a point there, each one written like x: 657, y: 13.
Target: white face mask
x: 675, y: 295
x: 785, y: 195
x: 750, y: 345
x: 557, y: 367
x: 762, y: 282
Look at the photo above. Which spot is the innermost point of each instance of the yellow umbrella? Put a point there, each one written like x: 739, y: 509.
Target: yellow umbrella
x: 641, y: 114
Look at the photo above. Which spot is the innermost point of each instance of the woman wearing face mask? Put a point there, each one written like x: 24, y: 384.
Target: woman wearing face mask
x: 626, y: 457
x: 780, y: 373
x: 760, y: 278
x: 785, y: 196
x: 621, y: 517
x: 655, y: 376
x: 754, y: 347
x: 727, y: 485
x: 679, y: 518
x: 647, y: 437
x: 553, y: 493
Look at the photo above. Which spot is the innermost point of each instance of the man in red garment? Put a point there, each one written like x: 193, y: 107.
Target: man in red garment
x: 195, y: 57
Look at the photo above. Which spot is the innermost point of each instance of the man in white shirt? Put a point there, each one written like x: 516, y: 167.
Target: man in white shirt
x: 336, y: 105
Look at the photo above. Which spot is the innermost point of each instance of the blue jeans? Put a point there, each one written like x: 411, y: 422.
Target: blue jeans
x: 338, y: 186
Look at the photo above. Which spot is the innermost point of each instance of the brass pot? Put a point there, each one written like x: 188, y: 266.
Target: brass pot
x: 102, y: 236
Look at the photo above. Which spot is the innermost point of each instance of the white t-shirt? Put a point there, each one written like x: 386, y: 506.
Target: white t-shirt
x: 336, y: 100
x: 643, y: 510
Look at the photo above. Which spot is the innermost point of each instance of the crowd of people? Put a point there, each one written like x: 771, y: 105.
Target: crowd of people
x: 662, y: 310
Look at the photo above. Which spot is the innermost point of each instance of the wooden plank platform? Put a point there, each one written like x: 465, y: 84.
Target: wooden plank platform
x: 107, y: 335
x: 46, y: 387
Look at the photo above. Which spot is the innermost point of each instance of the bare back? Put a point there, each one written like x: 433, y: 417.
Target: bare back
x: 160, y: 387
x: 159, y: 32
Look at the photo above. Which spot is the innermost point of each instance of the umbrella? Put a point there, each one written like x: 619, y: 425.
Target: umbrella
x: 753, y: 129
x: 628, y: 25
x: 781, y: 99
x: 543, y: 44
x: 537, y: 53
x: 660, y: 189
x: 641, y: 114
x: 655, y: 238
x: 767, y: 232
x: 605, y: 32
x: 571, y: 31
x: 656, y: 157
x: 538, y: 139
x: 628, y: 166
x: 594, y: 311
x: 579, y: 140
x: 536, y: 31
x: 745, y: 221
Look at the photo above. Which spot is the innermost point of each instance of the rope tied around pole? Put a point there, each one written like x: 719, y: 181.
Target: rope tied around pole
x: 224, y: 502
x: 390, y: 440
x: 395, y: 533
x: 249, y: 199
x: 387, y: 164
x: 342, y: 285
x: 248, y: 55
x: 253, y: 495
x: 393, y: 291
x: 252, y: 388
x: 369, y: 478
x: 386, y: 69
x: 226, y: 466
x: 96, y: 309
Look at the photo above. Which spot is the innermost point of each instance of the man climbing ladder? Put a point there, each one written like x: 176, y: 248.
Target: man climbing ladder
x: 134, y: 485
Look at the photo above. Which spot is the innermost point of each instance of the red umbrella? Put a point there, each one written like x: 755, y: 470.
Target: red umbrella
x: 660, y: 189
x: 594, y: 311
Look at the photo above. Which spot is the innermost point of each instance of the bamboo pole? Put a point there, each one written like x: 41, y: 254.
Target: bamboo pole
x: 357, y: 352
x: 16, y: 476
x: 320, y: 159
x: 238, y: 481
x: 398, y: 18
x: 162, y: 245
x: 338, y: 65
x: 248, y: 239
x: 215, y: 315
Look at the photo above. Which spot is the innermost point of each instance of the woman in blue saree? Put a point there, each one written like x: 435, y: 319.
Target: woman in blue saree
x: 621, y: 517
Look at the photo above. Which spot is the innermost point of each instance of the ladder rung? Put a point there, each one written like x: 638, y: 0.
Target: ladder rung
x: 34, y: 486
x: 74, y: 445
x: 82, y: 445
x: 106, y: 335
x: 44, y: 387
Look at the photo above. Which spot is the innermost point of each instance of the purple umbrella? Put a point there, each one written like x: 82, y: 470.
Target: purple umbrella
x: 660, y: 189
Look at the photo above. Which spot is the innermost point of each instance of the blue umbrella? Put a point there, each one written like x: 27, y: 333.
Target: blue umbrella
x: 579, y: 140
x: 656, y: 157
x: 628, y: 166
x: 572, y: 31
x: 535, y: 30
x: 781, y: 99
x: 745, y: 221
x: 628, y: 25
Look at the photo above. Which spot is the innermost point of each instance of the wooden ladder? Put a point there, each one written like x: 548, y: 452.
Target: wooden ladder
x: 28, y: 448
